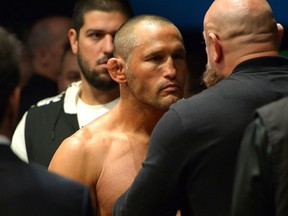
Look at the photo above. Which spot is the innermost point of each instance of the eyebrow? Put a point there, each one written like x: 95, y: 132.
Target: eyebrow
x: 91, y: 30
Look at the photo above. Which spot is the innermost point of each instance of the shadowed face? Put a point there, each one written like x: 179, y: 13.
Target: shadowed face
x: 59, y: 27
x: 70, y: 71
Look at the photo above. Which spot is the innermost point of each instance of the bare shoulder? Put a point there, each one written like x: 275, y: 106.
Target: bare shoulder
x: 101, y: 134
x: 76, y: 158
x: 76, y: 144
x: 93, y: 144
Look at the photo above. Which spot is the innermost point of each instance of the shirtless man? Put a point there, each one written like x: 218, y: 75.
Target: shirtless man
x: 150, y: 67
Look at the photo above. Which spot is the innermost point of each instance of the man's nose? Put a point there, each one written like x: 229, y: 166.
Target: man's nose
x: 170, y: 70
x: 108, y: 44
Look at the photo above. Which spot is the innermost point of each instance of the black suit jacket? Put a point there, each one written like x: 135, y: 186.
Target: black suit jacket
x: 190, y: 163
x: 261, y: 183
x: 32, y: 190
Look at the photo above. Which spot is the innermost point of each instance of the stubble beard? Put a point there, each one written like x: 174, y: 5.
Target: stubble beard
x: 146, y: 96
x: 211, y: 77
x: 96, y: 78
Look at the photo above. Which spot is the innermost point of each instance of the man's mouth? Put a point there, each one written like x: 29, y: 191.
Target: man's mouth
x: 171, y: 88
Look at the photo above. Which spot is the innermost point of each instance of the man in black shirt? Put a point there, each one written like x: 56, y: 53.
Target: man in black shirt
x: 190, y: 162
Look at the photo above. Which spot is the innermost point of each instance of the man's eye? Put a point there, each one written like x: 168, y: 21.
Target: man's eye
x: 155, y: 58
x: 96, y: 35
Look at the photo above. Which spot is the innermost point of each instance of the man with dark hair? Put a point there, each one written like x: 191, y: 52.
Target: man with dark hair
x: 29, y: 190
x: 82, y: 7
x: 47, y: 124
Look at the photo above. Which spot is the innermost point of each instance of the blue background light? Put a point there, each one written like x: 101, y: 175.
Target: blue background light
x: 189, y: 14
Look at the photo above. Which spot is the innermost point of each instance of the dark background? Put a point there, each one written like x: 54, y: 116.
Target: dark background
x: 186, y: 14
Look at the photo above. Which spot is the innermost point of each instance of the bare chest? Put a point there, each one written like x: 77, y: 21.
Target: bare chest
x: 118, y: 172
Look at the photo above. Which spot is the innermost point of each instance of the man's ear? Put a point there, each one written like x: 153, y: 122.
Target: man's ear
x: 280, y: 31
x: 72, y: 35
x: 216, y: 49
x: 116, y: 68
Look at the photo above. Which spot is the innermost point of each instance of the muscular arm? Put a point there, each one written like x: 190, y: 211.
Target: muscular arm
x: 155, y: 190
x: 18, y: 144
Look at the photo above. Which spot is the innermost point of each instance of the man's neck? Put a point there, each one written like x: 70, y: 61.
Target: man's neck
x: 138, y: 117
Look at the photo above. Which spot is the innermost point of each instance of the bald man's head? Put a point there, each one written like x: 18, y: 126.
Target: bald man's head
x: 48, y: 30
x: 46, y: 44
x: 235, y: 31
x: 245, y: 21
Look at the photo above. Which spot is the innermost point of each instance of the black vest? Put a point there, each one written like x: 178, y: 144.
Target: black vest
x: 47, y: 125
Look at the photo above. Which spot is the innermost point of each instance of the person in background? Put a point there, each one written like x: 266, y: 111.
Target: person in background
x: 261, y: 179
x: 45, y: 46
x: 151, y: 70
x: 70, y: 70
x: 25, y: 66
x: 191, y: 157
x: 29, y: 190
x: 46, y: 125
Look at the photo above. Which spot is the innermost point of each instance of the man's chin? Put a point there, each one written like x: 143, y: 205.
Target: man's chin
x: 171, y: 99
